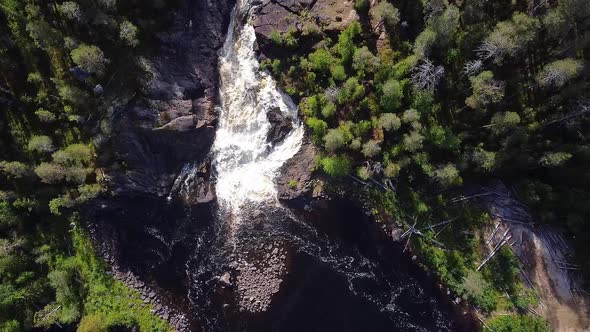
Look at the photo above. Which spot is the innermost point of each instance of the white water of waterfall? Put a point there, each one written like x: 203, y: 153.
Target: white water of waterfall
x: 245, y: 163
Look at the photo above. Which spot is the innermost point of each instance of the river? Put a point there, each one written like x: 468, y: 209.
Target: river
x: 261, y: 266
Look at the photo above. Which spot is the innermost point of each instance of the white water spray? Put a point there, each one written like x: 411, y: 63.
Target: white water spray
x: 246, y: 164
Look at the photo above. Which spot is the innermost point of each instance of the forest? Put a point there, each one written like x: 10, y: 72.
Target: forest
x: 64, y: 64
x: 417, y: 100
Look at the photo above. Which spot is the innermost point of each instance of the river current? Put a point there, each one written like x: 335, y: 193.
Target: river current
x: 262, y: 266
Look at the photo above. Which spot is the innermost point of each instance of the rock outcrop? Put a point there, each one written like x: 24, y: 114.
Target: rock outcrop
x: 173, y: 124
x: 157, y: 135
x: 299, y: 15
x: 294, y: 180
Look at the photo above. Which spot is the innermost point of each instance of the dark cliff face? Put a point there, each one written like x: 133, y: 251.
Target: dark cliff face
x: 169, y: 124
x: 173, y: 121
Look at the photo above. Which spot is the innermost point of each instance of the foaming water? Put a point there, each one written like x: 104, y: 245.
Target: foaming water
x: 245, y: 162
x: 287, y: 270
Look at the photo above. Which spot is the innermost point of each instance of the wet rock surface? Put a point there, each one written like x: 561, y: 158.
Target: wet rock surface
x: 295, y: 178
x: 281, y: 126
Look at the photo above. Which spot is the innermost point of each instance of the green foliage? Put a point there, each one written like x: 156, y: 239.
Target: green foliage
x: 389, y: 122
x: 512, y: 36
x: 292, y: 184
x: 75, y: 154
x: 351, y: 91
x: 361, y: 6
x: 518, y: 323
x: 502, y: 122
x: 90, y: 58
x: 424, y: 43
x: 391, y: 95
x: 363, y: 172
x: 14, y: 169
x: 363, y: 61
x: 336, y: 166
x: 558, y: 73
x: 346, y: 46
x: 448, y: 175
x: 554, y: 159
x: 72, y: 11
x: 371, y: 148
x: 477, y: 290
x: 50, y: 173
x: 336, y: 138
x: 45, y: 116
x: 40, y: 144
x: 445, y: 26
x: 486, y: 90
x: 321, y: 61
x: 128, y: 33
x: 386, y: 13
x: 107, y: 298
x: 485, y: 160
x: 319, y: 128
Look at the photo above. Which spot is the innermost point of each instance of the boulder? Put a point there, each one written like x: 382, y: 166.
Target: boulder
x: 281, y: 126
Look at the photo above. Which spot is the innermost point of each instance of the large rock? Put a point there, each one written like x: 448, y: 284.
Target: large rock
x: 281, y: 126
x: 294, y: 181
x: 298, y: 15
x: 156, y: 135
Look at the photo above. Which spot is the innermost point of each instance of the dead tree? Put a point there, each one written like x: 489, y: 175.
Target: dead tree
x: 426, y: 76
x: 472, y: 67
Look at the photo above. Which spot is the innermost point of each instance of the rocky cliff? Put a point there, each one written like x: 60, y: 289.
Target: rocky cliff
x: 170, y: 123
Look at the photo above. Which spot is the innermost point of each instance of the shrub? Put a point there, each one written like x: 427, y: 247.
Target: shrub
x: 50, y: 173
x: 72, y: 11
x: 74, y: 154
x: 558, y: 73
x: 554, y: 159
x: 392, y: 170
x: 345, y: 46
x: 361, y: 6
x: 363, y: 61
x: 477, y: 290
x: 40, y: 143
x: 338, y: 72
x: 363, y: 172
x: 518, y: 323
x: 391, y: 95
x: 321, y: 61
x: 485, y: 160
x: 128, y: 33
x: 486, y: 90
x: 90, y: 58
x: 448, y: 175
x: 371, y: 148
x: 336, y: 139
x: 14, y: 169
x: 424, y: 43
x: 410, y: 116
x: 510, y: 37
x: 318, y: 129
x: 385, y: 12
x: 92, y: 323
x: 502, y: 122
x: 351, y: 91
x: 336, y: 166
x: 413, y: 141
x: 328, y: 110
x: 45, y: 115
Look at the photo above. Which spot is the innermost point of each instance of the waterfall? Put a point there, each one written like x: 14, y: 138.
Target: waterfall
x: 245, y: 163
x: 240, y: 269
